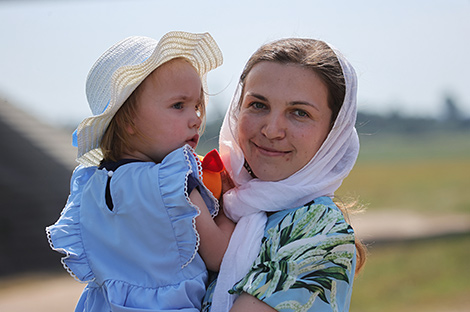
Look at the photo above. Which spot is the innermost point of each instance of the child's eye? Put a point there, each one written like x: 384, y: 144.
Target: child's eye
x: 199, y: 109
x: 178, y: 105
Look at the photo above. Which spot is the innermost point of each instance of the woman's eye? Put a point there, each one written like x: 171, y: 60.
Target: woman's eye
x: 257, y: 105
x: 301, y: 113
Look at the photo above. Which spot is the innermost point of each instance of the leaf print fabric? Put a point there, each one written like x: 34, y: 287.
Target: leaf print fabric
x: 306, y: 262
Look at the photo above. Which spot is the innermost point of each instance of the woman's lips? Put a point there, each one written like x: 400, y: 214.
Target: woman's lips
x: 270, y: 151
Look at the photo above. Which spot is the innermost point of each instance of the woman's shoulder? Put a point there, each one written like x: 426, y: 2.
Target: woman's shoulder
x: 306, y: 259
x: 321, y: 208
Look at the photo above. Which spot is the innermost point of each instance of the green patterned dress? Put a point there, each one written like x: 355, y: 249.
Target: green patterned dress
x: 306, y: 262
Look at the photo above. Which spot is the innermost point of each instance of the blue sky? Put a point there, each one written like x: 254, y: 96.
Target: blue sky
x: 408, y: 54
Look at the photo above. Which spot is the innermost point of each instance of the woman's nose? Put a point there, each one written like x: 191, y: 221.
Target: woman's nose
x: 274, y: 127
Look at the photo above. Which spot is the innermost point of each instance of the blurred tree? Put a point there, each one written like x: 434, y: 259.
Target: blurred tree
x: 451, y: 111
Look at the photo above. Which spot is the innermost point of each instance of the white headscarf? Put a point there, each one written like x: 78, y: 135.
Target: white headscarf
x: 249, y: 201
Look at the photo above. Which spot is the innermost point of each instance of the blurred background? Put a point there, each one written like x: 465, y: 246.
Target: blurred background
x: 413, y: 171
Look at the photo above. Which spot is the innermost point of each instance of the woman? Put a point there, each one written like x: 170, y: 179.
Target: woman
x: 288, y: 141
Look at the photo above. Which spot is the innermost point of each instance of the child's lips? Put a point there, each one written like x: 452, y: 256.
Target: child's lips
x: 193, y: 141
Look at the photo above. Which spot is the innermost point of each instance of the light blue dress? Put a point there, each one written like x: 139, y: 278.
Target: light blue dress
x: 306, y: 263
x: 142, y: 255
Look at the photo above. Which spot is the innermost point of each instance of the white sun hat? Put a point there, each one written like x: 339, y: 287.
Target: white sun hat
x: 123, y: 67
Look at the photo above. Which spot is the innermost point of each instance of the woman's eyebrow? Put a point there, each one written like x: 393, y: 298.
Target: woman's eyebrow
x: 292, y: 103
x: 304, y: 103
x: 258, y: 96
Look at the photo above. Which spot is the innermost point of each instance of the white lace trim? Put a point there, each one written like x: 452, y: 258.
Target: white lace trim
x: 62, y: 260
x: 187, y: 150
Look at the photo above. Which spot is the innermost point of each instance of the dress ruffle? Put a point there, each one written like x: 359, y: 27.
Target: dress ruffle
x: 126, y: 297
x: 64, y: 236
x: 177, y: 206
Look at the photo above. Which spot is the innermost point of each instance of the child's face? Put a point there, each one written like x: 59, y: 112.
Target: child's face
x: 167, y: 113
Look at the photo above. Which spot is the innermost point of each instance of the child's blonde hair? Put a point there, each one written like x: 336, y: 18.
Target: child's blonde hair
x: 117, y: 139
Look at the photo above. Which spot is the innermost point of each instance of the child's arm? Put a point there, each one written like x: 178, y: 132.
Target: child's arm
x: 214, y: 234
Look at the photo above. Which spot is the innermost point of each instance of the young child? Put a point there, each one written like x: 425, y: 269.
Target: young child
x: 138, y: 225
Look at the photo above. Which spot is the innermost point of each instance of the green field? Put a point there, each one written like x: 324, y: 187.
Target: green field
x: 430, y: 175
x: 423, y: 173
x: 430, y: 275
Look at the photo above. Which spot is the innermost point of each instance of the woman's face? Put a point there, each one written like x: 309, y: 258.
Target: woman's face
x: 284, y: 119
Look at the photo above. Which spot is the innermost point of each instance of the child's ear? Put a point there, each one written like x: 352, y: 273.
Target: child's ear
x: 127, y: 125
x: 130, y: 128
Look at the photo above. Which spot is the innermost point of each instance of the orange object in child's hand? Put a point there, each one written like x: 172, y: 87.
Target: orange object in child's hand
x: 212, y: 168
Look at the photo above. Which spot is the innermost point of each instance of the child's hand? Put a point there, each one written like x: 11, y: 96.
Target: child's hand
x: 214, y: 234
x: 212, y: 169
x: 227, y: 182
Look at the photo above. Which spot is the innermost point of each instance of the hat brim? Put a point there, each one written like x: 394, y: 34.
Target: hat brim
x: 200, y: 50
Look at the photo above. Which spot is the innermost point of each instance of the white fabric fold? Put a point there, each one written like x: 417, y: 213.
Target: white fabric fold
x: 249, y: 201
